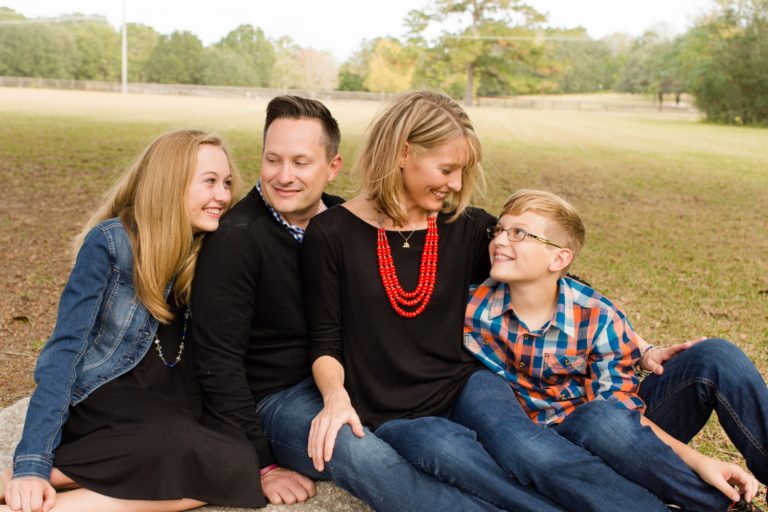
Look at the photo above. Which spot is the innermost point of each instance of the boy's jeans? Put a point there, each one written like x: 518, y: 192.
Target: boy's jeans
x: 616, y: 435
x: 713, y: 375
x: 367, y: 467
x: 486, y: 429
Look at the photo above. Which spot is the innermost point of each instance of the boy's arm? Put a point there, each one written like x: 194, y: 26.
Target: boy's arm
x: 719, y: 474
x: 611, y: 373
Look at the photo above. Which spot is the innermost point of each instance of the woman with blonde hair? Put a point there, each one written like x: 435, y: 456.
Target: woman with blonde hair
x: 116, y: 415
x: 385, y: 279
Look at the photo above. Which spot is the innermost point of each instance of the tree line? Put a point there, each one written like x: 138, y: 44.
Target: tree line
x: 499, y: 49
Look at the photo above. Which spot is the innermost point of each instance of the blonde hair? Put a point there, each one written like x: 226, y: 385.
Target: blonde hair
x: 425, y: 120
x: 565, y: 226
x: 150, y: 200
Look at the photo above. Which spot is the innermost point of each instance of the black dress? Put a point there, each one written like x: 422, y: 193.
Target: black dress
x: 143, y: 436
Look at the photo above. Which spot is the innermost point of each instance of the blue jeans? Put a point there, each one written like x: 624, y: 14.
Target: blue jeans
x: 713, y: 375
x: 615, y: 434
x: 527, y: 454
x: 366, y: 467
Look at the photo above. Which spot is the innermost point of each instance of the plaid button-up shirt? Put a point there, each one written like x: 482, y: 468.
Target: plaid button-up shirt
x: 586, y: 352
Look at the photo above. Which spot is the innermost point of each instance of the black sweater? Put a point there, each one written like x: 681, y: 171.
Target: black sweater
x: 395, y: 367
x: 248, y: 315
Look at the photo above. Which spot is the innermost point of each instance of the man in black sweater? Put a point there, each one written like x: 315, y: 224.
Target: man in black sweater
x: 251, y: 337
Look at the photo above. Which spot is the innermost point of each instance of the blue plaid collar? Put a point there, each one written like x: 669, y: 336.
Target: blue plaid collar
x: 296, y: 232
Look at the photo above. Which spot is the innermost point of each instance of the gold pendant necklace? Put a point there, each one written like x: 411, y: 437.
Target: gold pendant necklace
x: 406, y: 238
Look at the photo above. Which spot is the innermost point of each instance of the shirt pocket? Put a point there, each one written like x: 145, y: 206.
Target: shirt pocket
x: 560, y: 366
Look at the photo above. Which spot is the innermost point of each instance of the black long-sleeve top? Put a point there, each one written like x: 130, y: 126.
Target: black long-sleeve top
x: 248, y: 315
x: 394, y: 367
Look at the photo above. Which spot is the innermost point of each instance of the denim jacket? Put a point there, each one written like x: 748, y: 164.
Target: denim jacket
x: 102, y: 331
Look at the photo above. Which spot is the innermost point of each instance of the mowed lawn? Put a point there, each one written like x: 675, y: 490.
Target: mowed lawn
x: 676, y: 210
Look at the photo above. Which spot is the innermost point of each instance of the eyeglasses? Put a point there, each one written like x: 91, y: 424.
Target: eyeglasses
x: 517, y: 235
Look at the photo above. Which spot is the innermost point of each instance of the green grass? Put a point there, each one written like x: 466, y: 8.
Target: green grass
x: 676, y: 210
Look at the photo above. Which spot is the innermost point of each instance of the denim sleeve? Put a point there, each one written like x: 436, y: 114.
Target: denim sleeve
x: 61, y: 358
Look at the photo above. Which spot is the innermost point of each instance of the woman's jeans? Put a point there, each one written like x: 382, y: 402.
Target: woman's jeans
x: 713, y: 375
x: 489, y: 445
x: 366, y: 467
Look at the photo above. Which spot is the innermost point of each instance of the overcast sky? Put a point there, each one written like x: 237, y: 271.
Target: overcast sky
x: 339, y: 26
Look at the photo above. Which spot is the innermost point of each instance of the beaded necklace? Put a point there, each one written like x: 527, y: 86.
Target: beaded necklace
x: 399, y: 299
x: 159, y: 349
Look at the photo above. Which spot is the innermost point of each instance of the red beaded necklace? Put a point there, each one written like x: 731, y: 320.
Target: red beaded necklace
x: 418, y: 298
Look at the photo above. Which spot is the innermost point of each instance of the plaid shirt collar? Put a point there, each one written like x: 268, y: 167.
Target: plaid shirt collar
x: 500, y: 301
x: 296, y: 232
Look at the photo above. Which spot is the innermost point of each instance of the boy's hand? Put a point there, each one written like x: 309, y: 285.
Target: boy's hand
x: 728, y: 478
x: 654, y: 359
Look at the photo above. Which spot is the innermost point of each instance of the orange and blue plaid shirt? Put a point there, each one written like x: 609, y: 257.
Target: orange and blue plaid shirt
x: 587, y: 351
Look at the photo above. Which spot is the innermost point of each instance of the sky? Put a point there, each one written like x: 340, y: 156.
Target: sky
x: 339, y: 26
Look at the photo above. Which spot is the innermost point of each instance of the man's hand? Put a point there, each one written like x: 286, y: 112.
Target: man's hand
x: 325, y: 427
x: 29, y: 494
x: 654, y: 359
x: 282, y: 486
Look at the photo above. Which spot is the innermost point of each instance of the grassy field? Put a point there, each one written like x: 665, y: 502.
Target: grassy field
x: 676, y: 210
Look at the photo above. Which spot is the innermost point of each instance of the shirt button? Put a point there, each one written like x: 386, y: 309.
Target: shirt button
x: 521, y: 365
x: 566, y: 361
x: 563, y: 396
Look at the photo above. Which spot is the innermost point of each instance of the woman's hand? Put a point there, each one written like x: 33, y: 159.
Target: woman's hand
x: 283, y: 486
x: 728, y: 478
x: 654, y: 359
x: 325, y: 427
x: 29, y: 494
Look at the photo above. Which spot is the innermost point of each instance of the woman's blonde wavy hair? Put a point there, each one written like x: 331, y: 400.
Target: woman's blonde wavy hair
x: 425, y: 120
x: 150, y: 200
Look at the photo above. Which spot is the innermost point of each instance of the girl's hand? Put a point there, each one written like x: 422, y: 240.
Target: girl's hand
x: 30, y: 494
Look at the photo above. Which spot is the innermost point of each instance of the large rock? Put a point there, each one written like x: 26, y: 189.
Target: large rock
x: 329, y: 498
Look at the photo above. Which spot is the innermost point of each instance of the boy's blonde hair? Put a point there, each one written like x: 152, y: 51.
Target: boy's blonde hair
x: 565, y: 226
x: 150, y: 198
x: 425, y: 120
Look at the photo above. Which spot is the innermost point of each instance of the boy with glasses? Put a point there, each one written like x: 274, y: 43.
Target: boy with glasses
x: 569, y: 354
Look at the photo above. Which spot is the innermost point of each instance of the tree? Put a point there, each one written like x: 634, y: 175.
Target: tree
x: 37, y: 50
x: 480, y: 37
x: 7, y: 14
x: 222, y: 66
x: 390, y: 67
x: 317, y: 70
x: 176, y: 59
x: 354, y: 70
x: 142, y: 40
x: 285, y: 72
x: 256, y: 50
x: 730, y: 68
x: 98, y: 50
x: 575, y: 62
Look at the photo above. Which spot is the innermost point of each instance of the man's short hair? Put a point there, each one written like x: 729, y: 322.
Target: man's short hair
x: 296, y: 107
x: 565, y: 226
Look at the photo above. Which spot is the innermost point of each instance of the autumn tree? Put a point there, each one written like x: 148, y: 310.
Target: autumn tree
x: 390, y: 67
x: 285, y: 71
x: 481, y: 34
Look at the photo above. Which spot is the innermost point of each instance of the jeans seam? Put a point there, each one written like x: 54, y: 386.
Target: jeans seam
x: 740, y: 424
x: 719, y: 397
